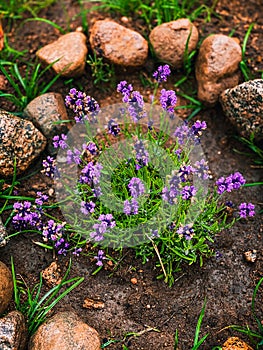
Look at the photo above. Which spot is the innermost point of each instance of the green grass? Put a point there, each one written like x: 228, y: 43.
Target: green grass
x: 256, y: 151
x: 14, y: 9
x: 27, y: 86
x: 247, y: 74
x: 101, y: 71
x: 36, y: 307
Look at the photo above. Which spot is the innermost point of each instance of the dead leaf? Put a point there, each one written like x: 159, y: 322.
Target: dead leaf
x: 1, y: 36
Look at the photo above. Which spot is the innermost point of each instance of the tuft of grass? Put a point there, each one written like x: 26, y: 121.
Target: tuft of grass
x: 36, y: 307
x: 26, y: 87
x: 257, y: 151
x: 101, y: 71
x: 14, y: 9
x: 247, y: 74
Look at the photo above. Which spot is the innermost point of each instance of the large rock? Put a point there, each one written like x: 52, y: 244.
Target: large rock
x: 6, y: 287
x: 70, y: 50
x: 45, y: 110
x: 3, y: 234
x: 20, y: 140
x: 118, y: 44
x: 169, y: 41
x: 13, y: 333
x: 65, y: 331
x: 234, y: 343
x: 217, y: 67
x: 243, y: 105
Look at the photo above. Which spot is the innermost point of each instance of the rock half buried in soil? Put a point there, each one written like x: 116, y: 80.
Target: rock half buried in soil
x: 234, y: 343
x: 70, y: 52
x: 3, y: 234
x: 118, y: 44
x: 20, y: 141
x: 13, y: 333
x: 65, y: 331
x: 6, y: 287
x: 169, y: 41
x: 243, y: 105
x: 217, y: 67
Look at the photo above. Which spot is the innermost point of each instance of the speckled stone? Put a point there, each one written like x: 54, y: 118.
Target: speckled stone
x: 243, y: 105
x: 6, y: 287
x: 169, y: 41
x: 70, y: 52
x: 20, y: 140
x: 118, y: 44
x: 234, y: 343
x: 65, y: 331
x: 45, y: 110
x: 3, y: 234
x: 13, y: 332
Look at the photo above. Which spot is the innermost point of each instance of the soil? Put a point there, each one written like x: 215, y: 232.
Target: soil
x: 134, y: 300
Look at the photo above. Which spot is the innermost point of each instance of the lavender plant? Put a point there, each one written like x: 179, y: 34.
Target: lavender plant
x: 134, y: 180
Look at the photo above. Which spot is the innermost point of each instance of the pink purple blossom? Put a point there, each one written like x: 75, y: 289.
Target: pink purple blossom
x: 186, y: 231
x: 246, y: 209
x: 130, y: 207
x: 162, y: 73
x: 136, y: 187
x: 59, y: 141
x: 100, y: 257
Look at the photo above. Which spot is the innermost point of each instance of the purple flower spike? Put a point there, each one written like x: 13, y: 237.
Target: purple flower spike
x: 49, y: 167
x: 232, y: 182
x: 87, y: 207
x: 113, y: 128
x: 60, y: 141
x: 131, y: 207
x: 246, y: 209
x: 136, y: 187
x: 74, y: 156
x: 100, y: 257
x: 168, y: 100
x: 162, y: 73
x: 188, y: 192
x: 186, y: 231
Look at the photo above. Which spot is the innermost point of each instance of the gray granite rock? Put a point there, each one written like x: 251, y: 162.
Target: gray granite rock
x: 65, y: 331
x: 6, y: 287
x: 217, y: 67
x: 3, y: 234
x: 13, y: 333
x: 118, y: 44
x: 20, y: 140
x: 70, y: 50
x: 45, y: 110
x: 243, y: 105
x: 169, y: 41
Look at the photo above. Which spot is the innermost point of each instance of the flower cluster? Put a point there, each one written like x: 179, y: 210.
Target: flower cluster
x: 168, y: 100
x: 141, y: 154
x: 186, y: 231
x: 246, y: 209
x: 162, y: 73
x: 59, y: 141
x: 25, y: 216
x: 83, y: 106
x: 100, y: 257
x: 87, y: 207
x: 201, y: 169
x: 184, y: 133
x: 136, y: 187
x: 106, y: 222
x: 74, y: 156
x: 91, y: 147
x: 50, y: 167
x: 131, y: 207
x: 113, y: 127
x: 230, y: 183
x: 90, y: 174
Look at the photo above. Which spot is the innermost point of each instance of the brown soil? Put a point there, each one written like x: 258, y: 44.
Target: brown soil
x: 149, y: 307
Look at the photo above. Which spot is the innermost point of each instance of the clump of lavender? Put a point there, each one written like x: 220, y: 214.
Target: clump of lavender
x: 184, y: 133
x: 106, y: 222
x: 136, y: 187
x: 230, y: 183
x: 141, y: 154
x: 168, y: 100
x: 113, y: 128
x: 162, y: 73
x: 59, y: 141
x: 83, y: 106
x: 131, y: 207
x: 90, y: 174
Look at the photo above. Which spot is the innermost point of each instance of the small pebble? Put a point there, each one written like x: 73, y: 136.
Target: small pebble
x: 125, y: 19
x: 134, y: 280
x: 251, y: 255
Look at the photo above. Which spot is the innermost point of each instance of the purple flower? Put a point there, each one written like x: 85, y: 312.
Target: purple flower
x: 74, y: 156
x: 125, y: 90
x: 62, y: 246
x: 106, y: 222
x: 232, y: 182
x: 100, y: 257
x: 25, y: 216
x: 155, y: 234
x: 49, y: 167
x: 136, y: 106
x: 52, y: 231
x: 183, y: 133
x: 91, y: 147
x: 108, y: 219
x: 184, y: 172
x: 162, y: 73
x: 198, y: 127
x: 202, y: 169
x: 168, y: 100
x: 246, y: 209
x: 130, y: 207
x: 113, y: 127
x: 87, y: 207
x: 84, y: 106
x: 136, y: 187
x: 188, y: 192
x: 77, y: 251
x: 178, y: 152
x: 142, y: 156
x: 60, y: 141
x: 186, y: 231
x: 170, y: 195
x: 41, y: 198
x: 90, y: 174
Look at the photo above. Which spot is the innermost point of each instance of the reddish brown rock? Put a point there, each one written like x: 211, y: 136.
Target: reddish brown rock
x: 13, y: 332
x: 70, y: 50
x: 45, y: 110
x: 20, y: 140
x: 217, y: 67
x: 234, y: 343
x: 118, y: 44
x: 65, y: 331
x: 243, y: 105
x: 169, y: 41
x: 6, y: 287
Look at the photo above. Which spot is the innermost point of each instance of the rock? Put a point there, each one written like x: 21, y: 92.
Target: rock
x: 3, y: 234
x: 13, y: 333
x: 118, y: 44
x: 46, y: 109
x: 51, y: 274
x: 217, y: 67
x: 234, y: 343
x: 65, y: 331
x: 251, y: 255
x: 6, y: 287
x: 20, y: 140
x: 243, y: 105
x: 70, y: 50
x: 169, y: 41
